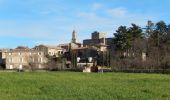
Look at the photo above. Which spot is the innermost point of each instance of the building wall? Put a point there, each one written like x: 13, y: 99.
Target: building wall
x: 23, y: 59
x: 86, y: 52
x: 88, y: 42
x: 42, y: 48
x: 97, y: 39
x: 51, y: 51
x: 55, y: 52
x: 98, y: 35
x: 91, y: 42
x: 64, y: 46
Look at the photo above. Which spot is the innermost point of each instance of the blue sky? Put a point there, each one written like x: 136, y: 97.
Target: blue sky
x: 33, y: 22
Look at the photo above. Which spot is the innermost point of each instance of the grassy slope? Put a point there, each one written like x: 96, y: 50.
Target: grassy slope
x: 78, y: 86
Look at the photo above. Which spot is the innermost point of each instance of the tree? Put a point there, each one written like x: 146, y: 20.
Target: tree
x: 149, y: 29
x: 55, y: 63
x: 121, y: 39
x: 135, y: 33
x: 125, y: 38
x: 159, y: 34
x: 73, y: 59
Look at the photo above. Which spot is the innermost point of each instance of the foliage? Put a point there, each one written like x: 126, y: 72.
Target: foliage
x: 73, y: 59
x: 104, y: 59
x: 55, y: 63
x: 121, y: 39
x: 131, y: 43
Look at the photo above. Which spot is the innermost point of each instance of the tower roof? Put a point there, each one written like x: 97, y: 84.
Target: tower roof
x: 74, y: 40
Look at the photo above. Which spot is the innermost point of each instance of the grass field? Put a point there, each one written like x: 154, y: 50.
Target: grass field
x: 83, y: 86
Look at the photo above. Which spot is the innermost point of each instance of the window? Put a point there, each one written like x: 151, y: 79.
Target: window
x: 19, y: 53
x: 39, y: 66
x: 10, y: 66
x: 38, y: 59
x: 21, y: 60
x: 39, y: 53
x: 10, y: 53
x: 32, y: 59
x: 20, y: 67
x: 10, y: 59
x: 41, y: 60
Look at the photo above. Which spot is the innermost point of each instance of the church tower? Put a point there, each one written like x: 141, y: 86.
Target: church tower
x: 74, y: 37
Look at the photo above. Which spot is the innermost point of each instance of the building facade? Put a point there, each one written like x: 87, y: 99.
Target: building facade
x: 73, y: 44
x: 98, y: 35
x: 98, y: 40
x: 23, y: 58
x: 50, y: 50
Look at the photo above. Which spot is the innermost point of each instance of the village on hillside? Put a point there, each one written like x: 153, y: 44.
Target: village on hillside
x: 73, y: 55
x: 131, y: 49
x: 59, y: 56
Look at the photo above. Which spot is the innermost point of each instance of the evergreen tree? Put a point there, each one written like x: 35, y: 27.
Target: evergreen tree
x: 135, y: 32
x: 121, y: 39
x: 159, y: 34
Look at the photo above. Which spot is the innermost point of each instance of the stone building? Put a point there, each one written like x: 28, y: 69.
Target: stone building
x: 98, y: 40
x: 73, y: 44
x: 50, y: 50
x: 74, y: 35
x: 86, y: 52
x: 2, y: 57
x: 23, y: 58
x: 98, y: 35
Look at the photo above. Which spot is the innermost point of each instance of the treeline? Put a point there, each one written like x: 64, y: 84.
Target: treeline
x: 142, y: 48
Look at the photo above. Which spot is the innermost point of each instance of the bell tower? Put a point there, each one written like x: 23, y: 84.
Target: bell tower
x: 74, y: 40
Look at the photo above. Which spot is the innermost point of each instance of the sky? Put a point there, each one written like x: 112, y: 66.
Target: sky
x: 34, y: 22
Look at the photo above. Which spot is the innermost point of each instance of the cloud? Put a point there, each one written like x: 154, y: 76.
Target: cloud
x: 97, y: 6
x: 117, y: 12
x: 25, y: 31
x: 52, y: 22
x: 110, y: 19
x: 87, y: 15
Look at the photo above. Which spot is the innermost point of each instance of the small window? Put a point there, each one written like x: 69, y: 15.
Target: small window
x: 38, y: 53
x: 32, y: 59
x: 19, y: 53
x: 21, y: 60
x: 20, y: 67
x: 10, y: 66
x: 41, y: 60
x: 10, y: 59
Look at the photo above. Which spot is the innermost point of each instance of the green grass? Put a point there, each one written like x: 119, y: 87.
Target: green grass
x: 83, y: 86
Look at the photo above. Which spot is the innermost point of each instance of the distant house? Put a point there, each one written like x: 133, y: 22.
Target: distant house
x: 98, y: 40
x: 68, y: 46
x: 73, y: 44
x: 22, y: 58
x: 86, y: 56
x: 86, y: 52
x: 50, y: 50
